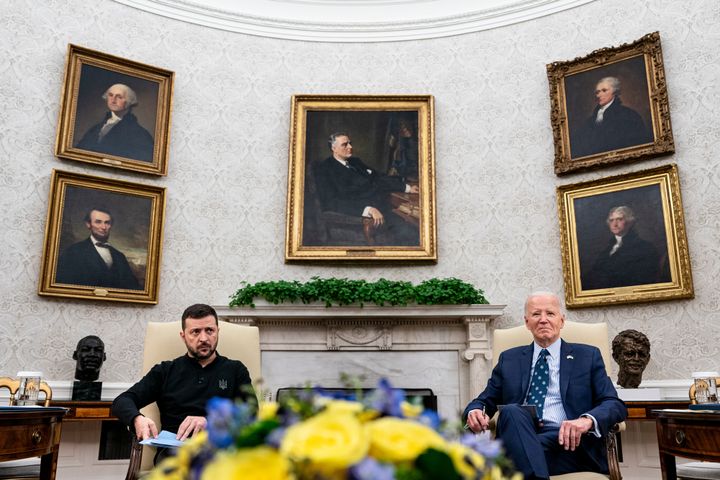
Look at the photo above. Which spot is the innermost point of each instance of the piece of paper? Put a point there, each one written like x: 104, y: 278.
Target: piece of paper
x: 164, y: 439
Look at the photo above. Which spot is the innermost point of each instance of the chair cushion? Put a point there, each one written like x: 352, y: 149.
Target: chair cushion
x: 580, y: 476
x: 698, y: 471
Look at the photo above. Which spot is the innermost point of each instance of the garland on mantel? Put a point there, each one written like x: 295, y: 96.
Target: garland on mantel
x: 341, y: 291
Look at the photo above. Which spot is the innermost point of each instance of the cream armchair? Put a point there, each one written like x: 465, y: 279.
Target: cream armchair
x: 595, y: 334
x: 163, y: 342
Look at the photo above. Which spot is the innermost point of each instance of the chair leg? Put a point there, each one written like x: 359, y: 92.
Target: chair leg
x: 612, y: 456
x: 369, y: 230
x: 136, y: 450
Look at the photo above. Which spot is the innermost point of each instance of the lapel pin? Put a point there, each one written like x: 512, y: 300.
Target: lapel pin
x: 570, y: 357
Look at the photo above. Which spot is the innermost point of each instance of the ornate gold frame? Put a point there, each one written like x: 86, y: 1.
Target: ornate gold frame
x: 351, y: 107
x: 656, y: 193
x: 120, y: 196
x: 653, y: 98
x: 79, y: 57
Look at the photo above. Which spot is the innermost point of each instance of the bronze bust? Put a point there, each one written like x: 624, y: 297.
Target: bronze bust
x: 631, y: 351
x: 90, y: 355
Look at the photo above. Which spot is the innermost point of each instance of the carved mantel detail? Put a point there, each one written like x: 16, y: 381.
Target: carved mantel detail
x: 452, y: 340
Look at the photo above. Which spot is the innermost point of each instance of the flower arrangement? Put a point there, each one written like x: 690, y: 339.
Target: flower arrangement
x: 311, y: 436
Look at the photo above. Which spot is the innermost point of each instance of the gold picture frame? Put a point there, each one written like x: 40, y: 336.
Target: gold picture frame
x: 332, y: 208
x: 124, y: 220
x: 634, y: 126
x: 114, y: 112
x: 635, y: 253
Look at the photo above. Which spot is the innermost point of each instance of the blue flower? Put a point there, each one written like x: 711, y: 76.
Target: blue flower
x: 371, y: 469
x: 386, y: 399
x: 224, y: 418
x: 483, y: 444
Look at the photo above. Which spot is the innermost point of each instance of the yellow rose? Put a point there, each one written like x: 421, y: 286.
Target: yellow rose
x: 343, y: 406
x: 191, y: 447
x: 267, y: 410
x: 397, y: 440
x: 409, y: 410
x: 467, y: 461
x: 169, y: 469
x: 329, y: 441
x: 260, y: 463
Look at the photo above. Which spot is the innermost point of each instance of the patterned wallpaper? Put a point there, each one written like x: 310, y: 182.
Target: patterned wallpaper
x: 225, y: 217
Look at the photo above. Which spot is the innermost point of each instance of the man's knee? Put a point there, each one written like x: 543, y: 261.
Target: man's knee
x: 512, y: 414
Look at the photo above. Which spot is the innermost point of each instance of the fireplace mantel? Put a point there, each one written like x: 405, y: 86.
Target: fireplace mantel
x: 443, y: 347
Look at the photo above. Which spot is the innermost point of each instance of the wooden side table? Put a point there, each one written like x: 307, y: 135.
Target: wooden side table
x: 686, y: 433
x: 32, y: 432
x: 83, y: 411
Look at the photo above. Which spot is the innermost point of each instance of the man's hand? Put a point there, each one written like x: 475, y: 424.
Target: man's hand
x: 144, y: 427
x: 571, y: 432
x: 190, y: 426
x: 377, y: 216
x: 477, y: 420
x: 413, y: 189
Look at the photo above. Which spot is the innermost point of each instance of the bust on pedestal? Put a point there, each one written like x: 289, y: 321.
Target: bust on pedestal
x: 90, y: 355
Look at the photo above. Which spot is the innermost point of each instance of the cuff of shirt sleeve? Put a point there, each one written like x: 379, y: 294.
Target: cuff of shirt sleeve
x: 366, y: 212
x: 595, y: 430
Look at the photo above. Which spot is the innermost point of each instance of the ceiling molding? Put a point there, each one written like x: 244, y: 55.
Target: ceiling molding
x: 353, y: 20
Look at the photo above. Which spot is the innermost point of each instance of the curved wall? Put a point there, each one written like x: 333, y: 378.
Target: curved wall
x: 497, y: 219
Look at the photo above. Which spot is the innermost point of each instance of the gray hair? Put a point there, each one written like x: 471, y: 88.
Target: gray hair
x: 333, y: 137
x: 625, y: 211
x: 545, y: 293
x: 614, y: 84
x: 129, y: 92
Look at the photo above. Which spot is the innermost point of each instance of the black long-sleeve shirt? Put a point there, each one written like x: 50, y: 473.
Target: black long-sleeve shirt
x: 181, y: 388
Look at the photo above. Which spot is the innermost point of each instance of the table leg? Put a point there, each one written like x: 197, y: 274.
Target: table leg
x: 667, y: 464
x: 48, y: 464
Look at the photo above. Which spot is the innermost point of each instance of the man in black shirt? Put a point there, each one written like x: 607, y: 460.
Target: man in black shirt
x: 182, y: 387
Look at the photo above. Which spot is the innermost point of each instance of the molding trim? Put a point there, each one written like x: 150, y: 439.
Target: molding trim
x: 372, y: 20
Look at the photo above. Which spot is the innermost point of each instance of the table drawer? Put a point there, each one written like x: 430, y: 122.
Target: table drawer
x: 22, y: 438
x: 690, y: 438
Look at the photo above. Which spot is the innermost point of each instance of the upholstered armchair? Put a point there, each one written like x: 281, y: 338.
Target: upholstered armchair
x: 595, y: 334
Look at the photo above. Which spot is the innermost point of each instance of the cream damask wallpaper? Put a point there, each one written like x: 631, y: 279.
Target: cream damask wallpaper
x: 226, y: 187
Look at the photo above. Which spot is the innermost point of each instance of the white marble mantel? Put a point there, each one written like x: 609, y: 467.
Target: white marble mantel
x: 446, y: 348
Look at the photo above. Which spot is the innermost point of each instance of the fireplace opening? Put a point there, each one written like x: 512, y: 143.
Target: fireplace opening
x: 420, y: 395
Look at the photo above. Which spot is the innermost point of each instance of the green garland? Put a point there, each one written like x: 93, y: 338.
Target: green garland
x: 341, y: 291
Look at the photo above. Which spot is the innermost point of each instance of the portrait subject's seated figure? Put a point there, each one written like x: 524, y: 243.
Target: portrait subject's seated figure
x: 347, y: 185
x: 567, y: 383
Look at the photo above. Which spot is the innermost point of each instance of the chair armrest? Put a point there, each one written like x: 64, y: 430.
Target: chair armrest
x: 136, y: 451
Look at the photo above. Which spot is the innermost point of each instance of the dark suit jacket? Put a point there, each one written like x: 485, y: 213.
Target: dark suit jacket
x: 126, y: 139
x: 80, y: 264
x: 636, y: 262
x: 584, y: 388
x: 621, y: 127
x: 350, y: 190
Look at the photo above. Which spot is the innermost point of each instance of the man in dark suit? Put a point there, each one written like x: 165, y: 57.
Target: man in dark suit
x: 627, y: 259
x: 119, y: 132
x: 580, y: 404
x: 611, y: 126
x: 346, y: 185
x: 93, y: 261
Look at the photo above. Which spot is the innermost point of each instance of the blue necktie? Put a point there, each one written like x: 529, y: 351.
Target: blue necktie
x: 539, y: 383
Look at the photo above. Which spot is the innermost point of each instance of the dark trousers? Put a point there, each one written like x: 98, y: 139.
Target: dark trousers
x: 534, y: 450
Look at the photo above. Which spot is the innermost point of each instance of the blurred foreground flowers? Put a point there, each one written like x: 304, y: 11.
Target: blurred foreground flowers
x: 313, y: 436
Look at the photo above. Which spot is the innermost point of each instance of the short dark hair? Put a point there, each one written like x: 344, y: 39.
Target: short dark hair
x: 97, y: 209
x: 199, y: 310
x: 89, y: 337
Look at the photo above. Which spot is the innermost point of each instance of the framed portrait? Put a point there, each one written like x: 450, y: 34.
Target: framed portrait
x: 610, y: 106
x: 361, y: 182
x: 102, y: 239
x: 114, y: 112
x: 623, y: 239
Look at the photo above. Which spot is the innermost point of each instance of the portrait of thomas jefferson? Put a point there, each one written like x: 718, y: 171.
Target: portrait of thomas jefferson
x: 626, y: 245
